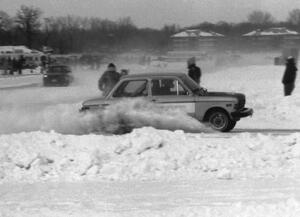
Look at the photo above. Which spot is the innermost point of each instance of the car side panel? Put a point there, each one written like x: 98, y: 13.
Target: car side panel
x: 183, y: 103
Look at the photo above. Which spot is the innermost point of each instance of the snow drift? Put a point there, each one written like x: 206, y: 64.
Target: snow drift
x: 146, y: 154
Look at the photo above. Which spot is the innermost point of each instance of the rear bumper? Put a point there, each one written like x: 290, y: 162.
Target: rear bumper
x: 244, y: 112
x: 56, y: 81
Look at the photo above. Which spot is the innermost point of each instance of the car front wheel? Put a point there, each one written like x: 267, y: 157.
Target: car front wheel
x: 220, y: 121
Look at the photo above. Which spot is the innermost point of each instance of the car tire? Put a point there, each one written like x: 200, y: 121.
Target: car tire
x: 220, y: 121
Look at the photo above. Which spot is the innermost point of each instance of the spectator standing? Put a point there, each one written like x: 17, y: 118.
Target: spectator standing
x: 5, y: 65
x: 109, y: 79
x: 193, y: 70
x: 289, y: 76
x: 20, y: 64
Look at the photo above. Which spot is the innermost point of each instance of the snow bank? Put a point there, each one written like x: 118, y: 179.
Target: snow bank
x: 146, y: 154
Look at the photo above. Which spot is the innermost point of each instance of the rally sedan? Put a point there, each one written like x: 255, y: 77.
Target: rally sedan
x: 57, y: 75
x: 219, y: 109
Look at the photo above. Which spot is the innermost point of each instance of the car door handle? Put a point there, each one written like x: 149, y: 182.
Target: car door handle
x: 153, y: 100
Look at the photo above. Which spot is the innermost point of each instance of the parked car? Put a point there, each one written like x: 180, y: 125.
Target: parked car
x: 57, y: 75
x: 221, y: 110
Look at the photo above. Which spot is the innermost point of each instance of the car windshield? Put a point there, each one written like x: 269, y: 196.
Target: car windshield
x: 59, y: 69
x: 190, y: 83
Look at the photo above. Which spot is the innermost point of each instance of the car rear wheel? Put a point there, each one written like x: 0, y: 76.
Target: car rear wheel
x: 220, y: 121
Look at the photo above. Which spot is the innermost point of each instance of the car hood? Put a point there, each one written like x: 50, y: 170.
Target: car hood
x: 225, y: 94
x: 95, y: 102
x: 57, y: 74
x: 229, y: 95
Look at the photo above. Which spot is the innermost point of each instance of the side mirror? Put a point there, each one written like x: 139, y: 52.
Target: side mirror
x: 201, y: 91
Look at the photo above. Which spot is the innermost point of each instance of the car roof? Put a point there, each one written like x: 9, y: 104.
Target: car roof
x: 153, y: 74
x: 57, y: 65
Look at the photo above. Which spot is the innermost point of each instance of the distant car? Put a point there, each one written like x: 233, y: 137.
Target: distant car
x: 221, y: 110
x: 57, y: 75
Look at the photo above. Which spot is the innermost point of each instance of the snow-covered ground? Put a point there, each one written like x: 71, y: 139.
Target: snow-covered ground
x: 268, y: 197
x: 57, y: 162
x: 26, y: 79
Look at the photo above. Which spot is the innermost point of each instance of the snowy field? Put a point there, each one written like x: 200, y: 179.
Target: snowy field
x: 57, y: 162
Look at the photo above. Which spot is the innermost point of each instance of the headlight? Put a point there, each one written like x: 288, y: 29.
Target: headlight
x: 45, y: 76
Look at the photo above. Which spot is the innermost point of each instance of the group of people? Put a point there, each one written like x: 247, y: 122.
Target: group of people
x: 11, y: 65
x: 111, y: 77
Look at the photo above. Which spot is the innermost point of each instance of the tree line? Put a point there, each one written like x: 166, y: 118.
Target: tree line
x: 70, y: 33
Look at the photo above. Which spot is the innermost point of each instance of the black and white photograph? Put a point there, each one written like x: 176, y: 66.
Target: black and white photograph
x: 149, y: 108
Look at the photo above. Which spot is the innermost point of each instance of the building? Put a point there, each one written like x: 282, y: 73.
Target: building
x: 18, y: 50
x: 195, y: 40
x: 272, y: 38
x: 32, y: 57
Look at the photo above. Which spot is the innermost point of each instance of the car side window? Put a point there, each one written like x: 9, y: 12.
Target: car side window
x: 135, y: 88
x: 165, y: 87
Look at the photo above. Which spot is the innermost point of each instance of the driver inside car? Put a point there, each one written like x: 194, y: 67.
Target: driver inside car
x: 166, y: 87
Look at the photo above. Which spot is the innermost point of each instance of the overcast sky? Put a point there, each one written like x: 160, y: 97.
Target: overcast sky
x: 156, y: 13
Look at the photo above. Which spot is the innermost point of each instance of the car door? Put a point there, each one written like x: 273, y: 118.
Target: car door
x: 171, y: 93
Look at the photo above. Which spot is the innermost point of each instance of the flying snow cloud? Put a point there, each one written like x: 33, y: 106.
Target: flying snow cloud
x: 128, y: 114
x: 118, y: 118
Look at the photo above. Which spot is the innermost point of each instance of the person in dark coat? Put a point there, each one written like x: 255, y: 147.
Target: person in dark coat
x: 124, y: 72
x: 194, y: 71
x: 109, y: 79
x: 10, y: 66
x: 14, y: 65
x: 20, y: 64
x: 289, y: 76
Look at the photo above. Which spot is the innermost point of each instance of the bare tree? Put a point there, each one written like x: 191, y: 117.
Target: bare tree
x: 5, y: 21
x: 294, y: 17
x: 170, y: 29
x: 260, y: 17
x: 28, y: 19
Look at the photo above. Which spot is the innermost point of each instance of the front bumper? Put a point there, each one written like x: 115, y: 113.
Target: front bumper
x: 83, y: 109
x: 92, y: 108
x: 244, y: 112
